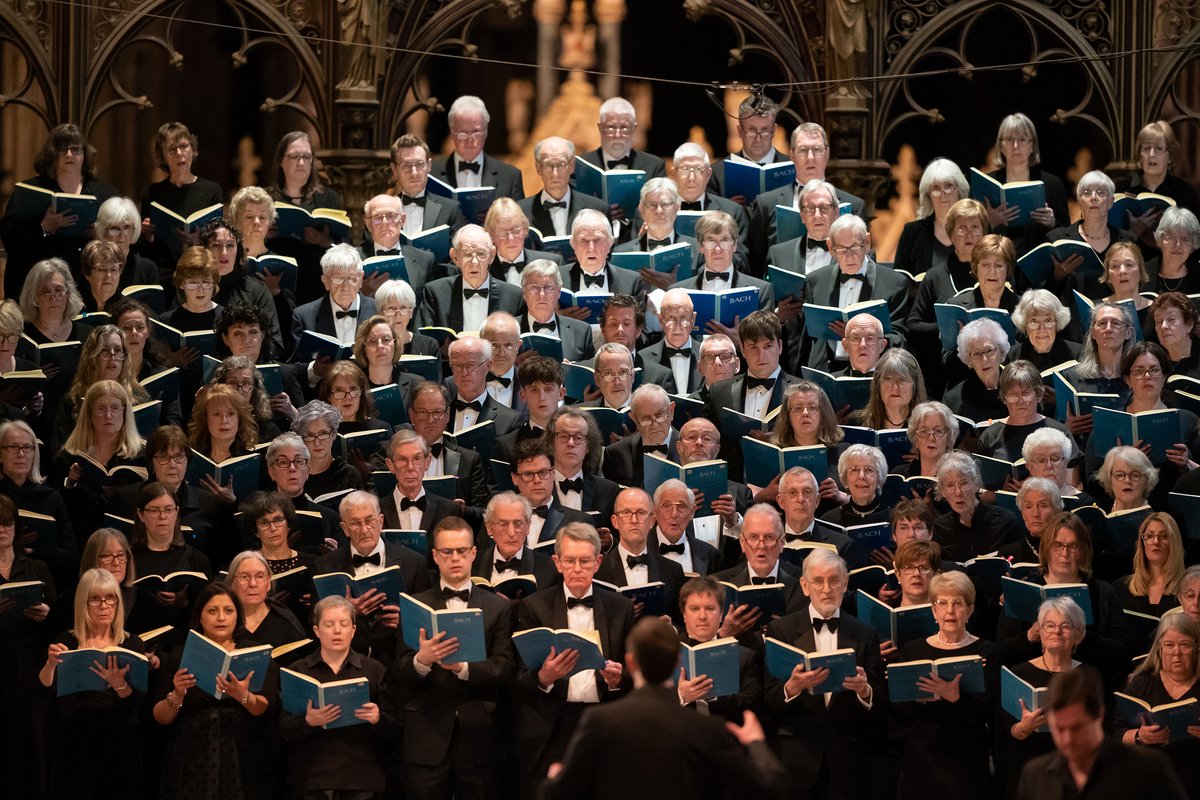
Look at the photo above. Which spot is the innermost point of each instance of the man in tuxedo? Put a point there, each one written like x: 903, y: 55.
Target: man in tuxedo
x: 533, y: 475
x: 822, y: 738
x: 453, y: 745
x: 854, y: 278
x: 575, y: 438
x: 718, y: 361
x: 383, y: 216
x: 699, y: 440
x: 666, y: 752
x: 701, y: 601
x: 618, y: 124
x: 756, y: 129
x: 462, y: 302
x: 674, y: 507
x: 810, y: 154
x: 408, y: 507
x: 428, y: 410
x: 508, y: 226
x: 592, y: 240
x: 469, y: 166
x: 553, y: 695
x: 504, y: 332
x: 692, y: 170
x: 864, y: 343
x: 622, y: 321
x: 540, y: 387
x: 799, y: 495
x: 632, y: 563
x: 553, y: 209
x: 470, y: 360
x: 541, y: 284
x: 817, y: 201
x: 658, y: 206
x: 651, y: 410
x: 507, y: 520
x: 759, y: 391
x: 717, y: 233
x: 676, y: 351
x: 338, y: 313
x: 410, y: 172
x: 614, y: 377
x: 365, y: 554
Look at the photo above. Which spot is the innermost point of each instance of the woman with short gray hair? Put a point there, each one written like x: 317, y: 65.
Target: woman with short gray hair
x: 970, y: 528
x: 982, y: 345
x: 317, y: 423
x: 1177, y: 237
x: 862, y: 470
x: 1040, y: 319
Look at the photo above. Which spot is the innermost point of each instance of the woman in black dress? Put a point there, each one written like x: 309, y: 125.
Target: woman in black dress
x: 1176, y: 267
x: 1157, y: 151
x: 1173, y: 318
x: 862, y: 470
x: 266, y: 621
x: 272, y: 522
x: 1021, y: 390
x: 1158, y: 565
x: 118, y: 223
x: 1040, y: 319
x: 222, y: 427
x: 218, y: 748
x: 1018, y: 156
x: 1094, y: 193
x: 100, y: 268
x: 236, y: 285
x: 95, y: 749
x: 317, y: 423
x: 396, y: 302
x: 240, y: 373
x: 50, y: 302
x: 982, y: 346
x: 21, y: 480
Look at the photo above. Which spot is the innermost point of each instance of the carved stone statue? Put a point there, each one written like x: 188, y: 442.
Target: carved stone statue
x: 364, y: 30
x: 846, y: 24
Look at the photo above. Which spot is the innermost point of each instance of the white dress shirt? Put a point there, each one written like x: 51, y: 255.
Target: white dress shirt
x: 410, y: 519
x: 634, y: 576
x: 816, y: 257
x: 503, y: 575
x: 437, y: 464
x: 757, y: 401
x: 681, y: 369
x: 717, y: 284
x: 363, y: 570
x: 558, y: 216
x: 848, y: 294
x: 475, y: 310
x: 345, y: 327
x: 414, y: 218
x: 468, y: 416
x: 553, y: 334
x: 499, y: 392
x: 466, y: 179
x: 571, y: 499
x: 581, y: 687
x: 684, y: 560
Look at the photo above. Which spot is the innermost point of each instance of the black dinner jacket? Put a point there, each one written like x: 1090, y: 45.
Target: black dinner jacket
x: 499, y: 269
x: 622, y: 462
x: 518, y: 404
x: 473, y: 485
x: 791, y: 255
x: 317, y: 316
x: 575, y: 335
x: 740, y: 280
x: 811, y: 734
x: 506, y: 445
x: 653, y: 354
x: 436, y: 509
x: 882, y: 283
x: 652, y: 372
x: 504, y: 177
x: 620, y: 280
x: 718, y: 169
x: 599, y: 496
x: 762, y: 221
x: 442, y: 301
x: 706, y: 559
x: 539, y: 712
x: 793, y: 597
x: 504, y: 419
x: 419, y: 263
x: 442, y: 211
x: 533, y: 562
x: 440, y: 706
x: 658, y: 568
x: 539, y: 217
x: 730, y: 393
x: 558, y: 515
x: 652, y: 165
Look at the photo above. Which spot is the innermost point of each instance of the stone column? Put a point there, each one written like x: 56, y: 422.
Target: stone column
x: 609, y: 15
x: 549, y: 15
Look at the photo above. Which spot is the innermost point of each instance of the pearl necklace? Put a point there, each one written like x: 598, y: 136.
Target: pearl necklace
x: 959, y: 643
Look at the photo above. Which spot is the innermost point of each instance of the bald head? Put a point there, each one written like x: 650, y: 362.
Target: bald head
x: 383, y: 215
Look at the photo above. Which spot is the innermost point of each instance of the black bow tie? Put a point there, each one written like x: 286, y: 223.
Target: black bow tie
x: 691, y: 205
x: 791, y: 537
x: 633, y: 561
x: 817, y: 244
x: 468, y: 166
x: 463, y: 405
x: 395, y: 251
x: 588, y: 601
x: 352, y: 314
x: 436, y: 450
x: 409, y: 200
x: 757, y: 581
x: 626, y: 161
x: 575, y: 485
x: 819, y: 623
x: 653, y: 243
x: 593, y: 280
x: 505, y: 382
x: 505, y: 564
x: 843, y: 277
x: 557, y: 204
x: 709, y: 275
x: 358, y: 560
x: 461, y: 594
x: 765, y: 383
x: 406, y: 504
x: 468, y: 292
x: 552, y: 325
x: 670, y: 352
x: 671, y: 548
x: 541, y: 511
x: 656, y: 448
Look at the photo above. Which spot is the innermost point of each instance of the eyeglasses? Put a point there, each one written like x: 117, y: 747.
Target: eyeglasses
x: 318, y: 438
x: 385, y: 341
x: 916, y: 569
x: 160, y: 511
x: 70, y: 150
x: 854, y: 249
x: 757, y: 133
x: 1020, y: 140
x: 413, y: 166
x: 197, y: 285
x: 715, y: 244
x: 617, y: 130
x: 302, y: 158
x: 272, y: 522
x: 761, y: 541
x: 658, y: 417
x: 241, y: 386
x: 1161, y: 538
x: 1108, y: 323
x: 119, y: 230
x: 509, y: 524
x: 23, y: 449
x: 665, y: 205
x: 542, y: 288
x: 166, y: 458
x: 824, y: 209
x: 823, y: 583
x: 868, y: 472
x: 570, y: 438
x: 555, y: 166
x: 1047, y: 323
x: 936, y: 434
x: 452, y: 552
x: 856, y: 340
x: 674, y: 508
x: 692, y: 438
x: 1177, y: 647
x: 1057, y: 627
x: 110, y: 559
x: 967, y: 230
x: 108, y: 411
x: 1121, y: 475
x: 718, y: 358
x: 344, y: 394
x: 1064, y: 547
x: 572, y: 563
x: 629, y: 514
x: 247, y: 578
x: 403, y: 462
x: 474, y: 256
x: 938, y: 190
x: 808, y: 408
x: 424, y: 415
x: 986, y: 354
x: 463, y: 136
x: 1017, y: 397
x: 1094, y: 193
x: 1046, y: 461
x: 793, y: 495
x: 458, y: 366
x: 344, y: 280
x: 511, y: 233
x: 1151, y: 149
x: 388, y: 218
x: 112, y: 354
x: 807, y: 152
x: 56, y: 293
x: 620, y: 374
x: 953, y: 605
x: 692, y: 172
x: 10, y: 338
x: 299, y: 462
x: 99, y: 602
x: 1146, y: 372
x: 536, y: 475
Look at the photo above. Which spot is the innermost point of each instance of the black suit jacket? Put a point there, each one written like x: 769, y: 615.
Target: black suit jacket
x: 539, y: 712
x: 883, y: 283
x: 504, y: 419
x: 506, y: 445
x: 420, y: 264
x: 442, y: 211
x: 762, y: 221
x: 504, y: 177
x: 533, y: 562
x: 576, y: 337
x: 706, y: 559
x: 653, y: 354
x: 749, y: 696
x: 652, y: 165
x: 658, y: 568
x: 706, y: 761
x: 623, y: 459
x: 620, y: 280
x: 599, y: 496
x: 442, y: 301
x: 557, y: 516
x: 436, y: 509
x: 317, y: 316
x: 499, y: 269
x: 539, y: 217
x: 809, y: 733
x: 730, y: 393
x: 441, y: 706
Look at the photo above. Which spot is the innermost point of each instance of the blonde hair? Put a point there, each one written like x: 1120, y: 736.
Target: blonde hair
x: 1139, y: 582
x: 100, y: 581
x: 83, y: 439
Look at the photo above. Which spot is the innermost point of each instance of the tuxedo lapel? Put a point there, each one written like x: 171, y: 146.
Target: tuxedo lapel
x: 541, y: 217
x: 456, y: 303
x: 451, y: 459
x: 807, y: 640
x: 600, y: 620
x: 559, y: 611
x: 324, y: 319
x: 553, y: 520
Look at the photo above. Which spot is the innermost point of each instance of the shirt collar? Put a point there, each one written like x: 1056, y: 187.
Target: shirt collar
x: 568, y: 595
x: 566, y: 198
x: 354, y: 304
x: 624, y: 552
x: 465, y: 584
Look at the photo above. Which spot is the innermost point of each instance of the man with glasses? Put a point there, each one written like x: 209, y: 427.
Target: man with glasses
x: 715, y: 270
x: 864, y: 343
x: 540, y: 391
x: 622, y: 322
x: 575, y: 439
x: 675, y: 351
x: 503, y: 384
x: 454, y: 741
x: 534, y: 476
x: 799, y: 496
x: 818, y: 206
x: 428, y: 410
x: 470, y: 361
x: 651, y: 410
x: 854, y: 277
x: 462, y: 302
x: 592, y: 240
x: 691, y: 171
x: 339, y: 311
x: 507, y: 521
x: 553, y: 697
x: 718, y: 361
x: 410, y: 174
x: 674, y: 506
x: 408, y: 507
x: 614, y: 376
x: 618, y: 124
x: 541, y: 285
x: 657, y: 209
x: 366, y: 553
x: 469, y: 166
x: 553, y: 209
x: 821, y: 737
x: 699, y: 440
x: 383, y: 217
x: 756, y: 129
x: 508, y: 226
x: 632, y: 563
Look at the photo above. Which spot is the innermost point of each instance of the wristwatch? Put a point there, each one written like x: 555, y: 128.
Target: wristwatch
x: 1137, y: 737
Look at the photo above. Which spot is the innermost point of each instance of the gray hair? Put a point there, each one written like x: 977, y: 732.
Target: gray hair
x: 1017, y: 125
x: 1068, y: 609
x: 290, y: 440
x: 963, y: 464
x: 1178, y: 222
x: 1088, y: 367
x: 33, y: 283
x: 504, y: 498
x: 617, y: 105
x: 691, y: 150
x: 1047, y: 437
x: 116, y: 210
x: 613, y: 347
x: 818, y: 185
x: 848, y: 222
x: 1096, y: 179
x: 1043, y: 485
x: 591, y: 218
x: 541, y: 268
x: 467, y: 104
x: 407, y: 436
x: 821, y: 557
x: 649, y: 391
x: 1170, y: 623
x: 714, y: 339
x: 1190, y: 576
x: 577, y: 532
x: 864, y: 451
x: 940, y: 170
x: 811, y: 128
x: 796, y: 474
x: 537, y: 148
x: 341, y: 258
x: 236, y: 563
x: 986, y: 329
x: 358, y: 499
x: 396, y: 291
x: 20, y: 426
x: 1043, y: 301
x: 1136, y: 459
x: 316, y: 411
x: 673, y: 484
x: 485, y: 346
x: 456, y: 241
x: 922, y: 410
x: 659, y: 186
x: 769, y: 511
